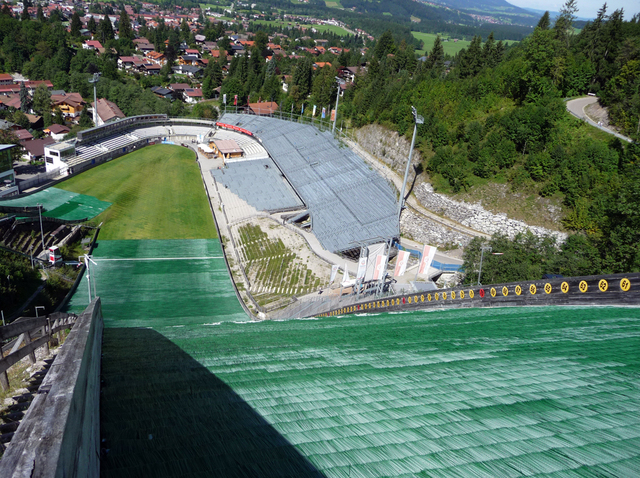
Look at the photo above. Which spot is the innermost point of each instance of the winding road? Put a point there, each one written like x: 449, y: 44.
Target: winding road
x: 576, y: 108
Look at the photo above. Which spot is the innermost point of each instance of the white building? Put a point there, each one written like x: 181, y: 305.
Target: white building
x: 57, y: 156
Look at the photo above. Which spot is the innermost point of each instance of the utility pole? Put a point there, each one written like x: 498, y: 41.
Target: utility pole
x: 417, y: 119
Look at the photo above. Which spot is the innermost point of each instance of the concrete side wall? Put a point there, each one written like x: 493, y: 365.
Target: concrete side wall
x: 60, y: 434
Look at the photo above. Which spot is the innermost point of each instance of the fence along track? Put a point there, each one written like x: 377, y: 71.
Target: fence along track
x: 27, y: 334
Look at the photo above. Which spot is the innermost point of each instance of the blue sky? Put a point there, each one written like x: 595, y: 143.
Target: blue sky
x: 586, y: 8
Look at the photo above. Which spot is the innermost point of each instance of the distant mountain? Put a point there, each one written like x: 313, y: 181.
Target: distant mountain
x: 484, y: 5
x: 553, y: 15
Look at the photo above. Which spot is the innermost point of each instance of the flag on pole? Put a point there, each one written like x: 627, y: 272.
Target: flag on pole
x: 380, y: 260
x: 235, y: 100
x: 302, y: 109
x: 334, y: 272
x: 333, y: 115
x: 427, y: 257
x: 345, y: 274
x: 324, y: 112
x: 401, y: 263
x: 314, y: 110
x: 224, y: 98
x: 362, y: 268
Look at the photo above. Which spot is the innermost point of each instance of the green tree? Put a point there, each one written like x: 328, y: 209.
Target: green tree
x: 545, y: 22
x: 58, y: 116
x: 21, y: 119
x: 85, y: 119
x: 42, y: 100
x: 125, y: 26
x: 105, y: 30
x: 302, y: 79
x: 91, y: 25
x: 385, y: 45
x: 435, y: 60
x: 76, y: 25
x: 25, y: 99
x: 40, y: 14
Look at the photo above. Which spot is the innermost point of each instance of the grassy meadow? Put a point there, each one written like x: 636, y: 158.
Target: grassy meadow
x: 450, y: 47
x: 156, y: 193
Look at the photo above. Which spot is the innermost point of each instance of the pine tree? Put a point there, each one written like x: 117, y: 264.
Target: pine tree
x: 40, y: 14
x: 544, y: 22
x: 76, y: 25
x: 105, y: 30
x: 435, y: 61
x: 125, y: 26
x: 25, y: 99
x: 91, y: 25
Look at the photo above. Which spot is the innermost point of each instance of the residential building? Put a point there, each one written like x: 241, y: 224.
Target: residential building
x: 107, y: 111
x: 57, y: 131
x: 34, y: 149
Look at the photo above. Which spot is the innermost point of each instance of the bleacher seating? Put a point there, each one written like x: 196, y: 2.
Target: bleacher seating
x: 348, y: 202
x: 259, y: 183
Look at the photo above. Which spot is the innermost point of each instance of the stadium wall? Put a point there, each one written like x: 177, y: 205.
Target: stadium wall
x: 603, y: 290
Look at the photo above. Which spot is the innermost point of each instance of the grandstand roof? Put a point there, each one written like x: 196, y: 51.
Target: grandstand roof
x: 348, y: 202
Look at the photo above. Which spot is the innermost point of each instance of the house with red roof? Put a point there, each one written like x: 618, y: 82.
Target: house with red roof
x: 91, y: 45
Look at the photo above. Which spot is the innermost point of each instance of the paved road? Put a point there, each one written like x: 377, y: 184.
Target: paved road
x: 576, y: 108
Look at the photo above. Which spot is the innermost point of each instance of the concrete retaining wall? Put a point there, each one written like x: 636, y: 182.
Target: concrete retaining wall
x: 60, y: 434
x: 589, y: 290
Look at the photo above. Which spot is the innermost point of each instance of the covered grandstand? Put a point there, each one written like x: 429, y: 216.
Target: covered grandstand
x: 348, y: 203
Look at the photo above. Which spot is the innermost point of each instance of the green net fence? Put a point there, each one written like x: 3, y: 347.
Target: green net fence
x: 62, y: 204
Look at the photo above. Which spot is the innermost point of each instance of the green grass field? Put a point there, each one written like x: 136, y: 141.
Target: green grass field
x: 321, y: 28
x: 450, y: 47
x: 156, y: 193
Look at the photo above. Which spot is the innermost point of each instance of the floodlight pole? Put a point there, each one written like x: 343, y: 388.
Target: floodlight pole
x: 417, y: 120
x: 488, y: 249
x: 94, y: 80
x: 335, y: 117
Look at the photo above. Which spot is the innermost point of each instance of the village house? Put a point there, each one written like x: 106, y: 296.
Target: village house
x: 107, y: 111
x: 57, y: 131
x: 192, y: 95
x: 71, y: 104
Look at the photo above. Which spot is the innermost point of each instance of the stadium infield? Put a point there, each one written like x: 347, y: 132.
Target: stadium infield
x: 157, y: 193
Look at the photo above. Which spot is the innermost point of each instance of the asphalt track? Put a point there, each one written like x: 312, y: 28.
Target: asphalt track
x: 576, y: 108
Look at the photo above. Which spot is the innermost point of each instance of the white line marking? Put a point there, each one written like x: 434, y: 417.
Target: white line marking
x: 160, y: 259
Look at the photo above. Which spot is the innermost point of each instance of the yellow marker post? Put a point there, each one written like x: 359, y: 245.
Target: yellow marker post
x: 625, y: 284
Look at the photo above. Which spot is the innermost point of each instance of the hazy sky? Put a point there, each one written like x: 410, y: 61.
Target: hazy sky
x: 586, y: 8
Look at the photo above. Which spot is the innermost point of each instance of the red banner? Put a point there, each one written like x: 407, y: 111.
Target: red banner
x: 234, y: 128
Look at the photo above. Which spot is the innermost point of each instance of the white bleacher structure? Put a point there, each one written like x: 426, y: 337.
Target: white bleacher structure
x: 286, y: 166
x: 347, y: 202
